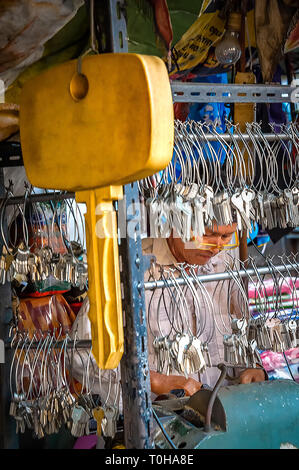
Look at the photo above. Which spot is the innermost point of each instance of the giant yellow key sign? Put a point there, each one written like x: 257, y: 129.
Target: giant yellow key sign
x: 91, y: 129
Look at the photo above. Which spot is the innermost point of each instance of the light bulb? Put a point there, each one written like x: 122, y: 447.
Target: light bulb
x: 228, y: 50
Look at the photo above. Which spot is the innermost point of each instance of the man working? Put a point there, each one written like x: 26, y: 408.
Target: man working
x: 210, y: 254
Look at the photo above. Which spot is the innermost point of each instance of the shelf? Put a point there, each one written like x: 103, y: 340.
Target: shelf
x: 187, y: 92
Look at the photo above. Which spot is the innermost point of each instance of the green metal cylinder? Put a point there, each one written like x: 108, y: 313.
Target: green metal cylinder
x: 263, y: 415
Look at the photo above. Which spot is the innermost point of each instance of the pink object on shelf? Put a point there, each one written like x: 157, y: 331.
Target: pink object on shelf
x: 86, y: 442
x: 266, y: 289
x: 275, y: 360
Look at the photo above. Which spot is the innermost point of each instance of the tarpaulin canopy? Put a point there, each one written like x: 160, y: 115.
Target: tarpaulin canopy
x: 36, y: 35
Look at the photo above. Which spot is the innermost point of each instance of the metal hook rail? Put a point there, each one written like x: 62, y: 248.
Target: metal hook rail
x: 193, y: 92
x: 11, y: 153
x: 79, y: 344
x: 150, y: 285
x: 227, y: 137
x: 42, y: 197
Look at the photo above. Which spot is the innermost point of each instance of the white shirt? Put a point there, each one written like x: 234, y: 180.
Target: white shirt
x: 106, y: 382
x: 211, y: 317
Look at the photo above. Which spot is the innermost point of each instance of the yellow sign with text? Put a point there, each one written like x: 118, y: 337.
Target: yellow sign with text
x: 197, y: 45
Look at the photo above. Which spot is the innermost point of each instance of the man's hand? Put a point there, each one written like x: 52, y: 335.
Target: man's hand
x: 192, y: 386
x: 9, y: 120
x: 161, y: 383
x: 252, y: 375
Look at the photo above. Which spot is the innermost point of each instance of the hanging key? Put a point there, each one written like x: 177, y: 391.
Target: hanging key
x: 292, y: 326
x: 76, y: 416
x: 111, y: 415
x: 198, y: 225
x: 207, y: 355
x: 183, y: 342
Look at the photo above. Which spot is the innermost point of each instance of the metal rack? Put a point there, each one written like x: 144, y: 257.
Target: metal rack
x: 138, y: 421
x: 216, y: 277
x: 42, y: 197
x: 80, y: 344
x: 186, y: 92
x: 10, y: 154
x: 239, y: 137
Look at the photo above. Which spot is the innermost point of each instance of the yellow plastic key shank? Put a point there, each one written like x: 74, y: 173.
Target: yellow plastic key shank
x: 104, y: 292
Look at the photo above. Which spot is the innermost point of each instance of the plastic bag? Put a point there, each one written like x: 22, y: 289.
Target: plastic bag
x: 51, y: 313
x: 276, y: 367
x: 47, y: 226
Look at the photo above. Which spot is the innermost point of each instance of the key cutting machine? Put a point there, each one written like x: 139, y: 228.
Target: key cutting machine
x: 262, y: 415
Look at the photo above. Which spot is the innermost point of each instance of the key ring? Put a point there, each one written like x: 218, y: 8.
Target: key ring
x: 187, y: 150
x: 4, y: 202
x: 116, y: 402
x: 24, y: 340
x: 295, y: 136
x: 259, y: 152
x: 213, y: 161
x: 292, y: 287
x: 109, y: 389
x: 201, y: 325
x: 227, y: 149
x: 206, y: 297
x: 281, y: 143
x: 257, y: 290
x: 203, y: 163
x: 171, y: 315
x: 149, y: 311
x: 162, y: 334
x: 52, y: 360
x: 173, y: 304
x: 220, y: 284
x: 80, y: 395
x: 89, y: 387
x: 275, y: 283
x: 279, y: 303
x: 236, y: 159
x: 37, y: 370
x: 240, y: 287
x: 12, y: 362
x: 250, y: 176
x: 201, y: 181
x: 182, y: 301
x: 32, y: 389
x: 26, y: 362
x: 265, y: 314
x: 46, y: 383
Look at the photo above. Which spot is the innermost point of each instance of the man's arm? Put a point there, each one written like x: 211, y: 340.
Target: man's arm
x: 161, y: 383
x: 253, y: 375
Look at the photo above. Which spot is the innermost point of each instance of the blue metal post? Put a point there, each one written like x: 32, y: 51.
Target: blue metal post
x: 134, y: 365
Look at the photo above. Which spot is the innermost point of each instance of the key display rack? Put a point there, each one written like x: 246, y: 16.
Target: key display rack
x: 135, y: 376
